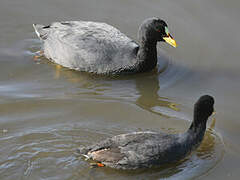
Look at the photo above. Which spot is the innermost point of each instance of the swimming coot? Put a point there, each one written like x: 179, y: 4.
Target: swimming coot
x: 100, y: 48
x: 146, y: 149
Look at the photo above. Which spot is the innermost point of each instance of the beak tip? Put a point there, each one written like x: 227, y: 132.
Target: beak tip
x: 174, y: 44
x: 170, y: 41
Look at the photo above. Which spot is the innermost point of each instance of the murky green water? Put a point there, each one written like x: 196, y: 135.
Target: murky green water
x: 46, y: 112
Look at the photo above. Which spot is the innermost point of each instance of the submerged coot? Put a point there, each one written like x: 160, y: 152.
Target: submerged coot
x: 146, y: 149
x: 100, y: 48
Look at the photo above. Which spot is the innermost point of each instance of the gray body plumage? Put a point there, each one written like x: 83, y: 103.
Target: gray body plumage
x: 143, y: 149
x: 88, y: 46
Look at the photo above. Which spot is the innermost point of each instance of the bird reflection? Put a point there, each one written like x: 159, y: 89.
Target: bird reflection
x: 148, y: 88
x: 206, y: 149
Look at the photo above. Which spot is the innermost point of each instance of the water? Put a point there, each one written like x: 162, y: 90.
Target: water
x: 46, y: 111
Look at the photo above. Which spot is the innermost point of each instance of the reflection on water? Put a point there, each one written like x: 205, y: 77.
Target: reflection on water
x: 147, y: 85
x: 148, y: 88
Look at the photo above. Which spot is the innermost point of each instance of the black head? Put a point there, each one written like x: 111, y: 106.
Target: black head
x: 155, y: 29
x: 203, y: 108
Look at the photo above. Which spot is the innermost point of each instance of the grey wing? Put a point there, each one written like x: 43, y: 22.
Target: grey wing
x: 87, y: 46
x: 117, y: 144
x: 130, y: 151
x: 145, y: 148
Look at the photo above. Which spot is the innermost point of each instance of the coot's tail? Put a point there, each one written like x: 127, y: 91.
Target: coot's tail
x: 41, y: 31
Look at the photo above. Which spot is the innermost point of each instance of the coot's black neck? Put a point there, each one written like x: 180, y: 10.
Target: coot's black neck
x: 199, y: 120
x: 147, y: 55
x: 196, y: 131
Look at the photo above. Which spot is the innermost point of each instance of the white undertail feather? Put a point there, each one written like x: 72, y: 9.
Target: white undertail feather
x: 86, y: 157
x: 35, y: 28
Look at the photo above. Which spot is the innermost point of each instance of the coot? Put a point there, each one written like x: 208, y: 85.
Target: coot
x: 102, y: 49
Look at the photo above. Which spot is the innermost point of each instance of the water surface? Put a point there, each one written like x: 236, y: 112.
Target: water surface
x: 46, y: 111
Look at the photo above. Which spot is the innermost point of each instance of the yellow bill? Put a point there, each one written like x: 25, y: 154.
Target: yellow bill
x: 170, y: 41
